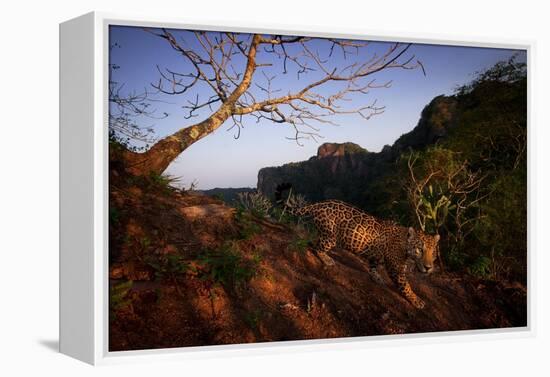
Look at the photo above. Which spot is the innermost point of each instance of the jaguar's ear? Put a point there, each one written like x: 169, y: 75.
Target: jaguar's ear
x: 436, y: 238
x: 412, y: 233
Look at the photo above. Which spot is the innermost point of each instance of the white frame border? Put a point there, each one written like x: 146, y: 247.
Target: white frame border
x: 100, y: 268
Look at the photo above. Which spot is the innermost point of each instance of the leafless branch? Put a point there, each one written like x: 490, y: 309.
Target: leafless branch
x: 219, y: 61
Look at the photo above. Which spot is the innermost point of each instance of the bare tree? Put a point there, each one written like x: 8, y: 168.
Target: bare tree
x: 126, y: 109
x: 238, y: 70
x: 445, y: 194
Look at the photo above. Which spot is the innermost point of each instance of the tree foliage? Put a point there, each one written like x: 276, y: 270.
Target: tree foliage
x: 472, y: 185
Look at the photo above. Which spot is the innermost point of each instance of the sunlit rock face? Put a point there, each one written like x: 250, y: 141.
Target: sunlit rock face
x: 341, y: 156
x: 338, y: 149
x: 322, y: 176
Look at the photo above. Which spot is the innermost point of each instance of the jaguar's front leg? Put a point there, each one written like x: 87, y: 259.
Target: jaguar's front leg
x: 398, y: 275
x: 323, y: 246
x: 374, y: 263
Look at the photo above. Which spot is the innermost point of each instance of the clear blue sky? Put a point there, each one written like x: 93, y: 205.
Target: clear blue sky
x: 219, y: 160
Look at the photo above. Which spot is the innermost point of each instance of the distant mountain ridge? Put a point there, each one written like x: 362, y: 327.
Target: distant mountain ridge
x: 345, y: 170
x: 227, y: 194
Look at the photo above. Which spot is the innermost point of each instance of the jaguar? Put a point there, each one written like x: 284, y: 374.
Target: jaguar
x: 380, y: 242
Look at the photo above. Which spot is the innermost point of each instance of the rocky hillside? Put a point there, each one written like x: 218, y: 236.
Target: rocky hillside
x: 188, y: 270
x: 345, y: 171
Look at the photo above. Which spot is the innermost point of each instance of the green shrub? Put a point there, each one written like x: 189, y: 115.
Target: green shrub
x: 283, y: 216
x: 118, y: 296
x: 299, y: 244
x: 162, y: 181
x: 154, y: 181
x: 248, y: 228
x: 455, y: 259
x: 169, y: 266
x: 481, y: 267
x: 226, y: 266
x: 255, y: 203
x: 253, y: 318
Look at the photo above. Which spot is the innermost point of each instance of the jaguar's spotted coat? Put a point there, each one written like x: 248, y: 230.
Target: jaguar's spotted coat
x: 379, y: 241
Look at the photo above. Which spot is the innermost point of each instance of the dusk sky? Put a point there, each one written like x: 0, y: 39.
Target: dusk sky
x: 220, y: 160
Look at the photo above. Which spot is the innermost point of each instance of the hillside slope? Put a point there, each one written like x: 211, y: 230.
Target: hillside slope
x: 187, y: 270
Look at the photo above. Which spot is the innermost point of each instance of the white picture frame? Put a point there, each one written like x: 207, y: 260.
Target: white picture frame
x: 84, y: 193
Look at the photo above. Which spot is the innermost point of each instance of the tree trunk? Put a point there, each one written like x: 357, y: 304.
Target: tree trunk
x: 160, y: 155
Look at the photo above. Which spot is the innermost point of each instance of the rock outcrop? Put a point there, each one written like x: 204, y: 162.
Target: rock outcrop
x: 345, y: 170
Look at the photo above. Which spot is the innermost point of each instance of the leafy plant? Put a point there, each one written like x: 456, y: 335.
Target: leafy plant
x: 305, y: 235
x: 434, y: 208
x: 118, y: 296
x: 226, y: 266
x: 455, y: 258
x: 255, y: 203
x: 162, y: 181
x: 248, y: 228
x: 144, y: 243
x: 253, y: 318
x: 168, y: 266
x: 292, y: 200
x: 481, y: 267
x: 510, y: 71
x: 299, y: 244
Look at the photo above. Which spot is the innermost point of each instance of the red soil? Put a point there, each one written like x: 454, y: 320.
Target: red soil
x: 291, y: 296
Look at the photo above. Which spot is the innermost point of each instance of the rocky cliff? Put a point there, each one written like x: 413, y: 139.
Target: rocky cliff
x: 322, y: 176
x: 345, y: 171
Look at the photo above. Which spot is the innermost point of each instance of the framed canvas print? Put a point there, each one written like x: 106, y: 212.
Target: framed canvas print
x: 240, y: 188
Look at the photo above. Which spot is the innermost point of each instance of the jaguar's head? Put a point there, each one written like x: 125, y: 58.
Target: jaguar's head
x: 423, y: 249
